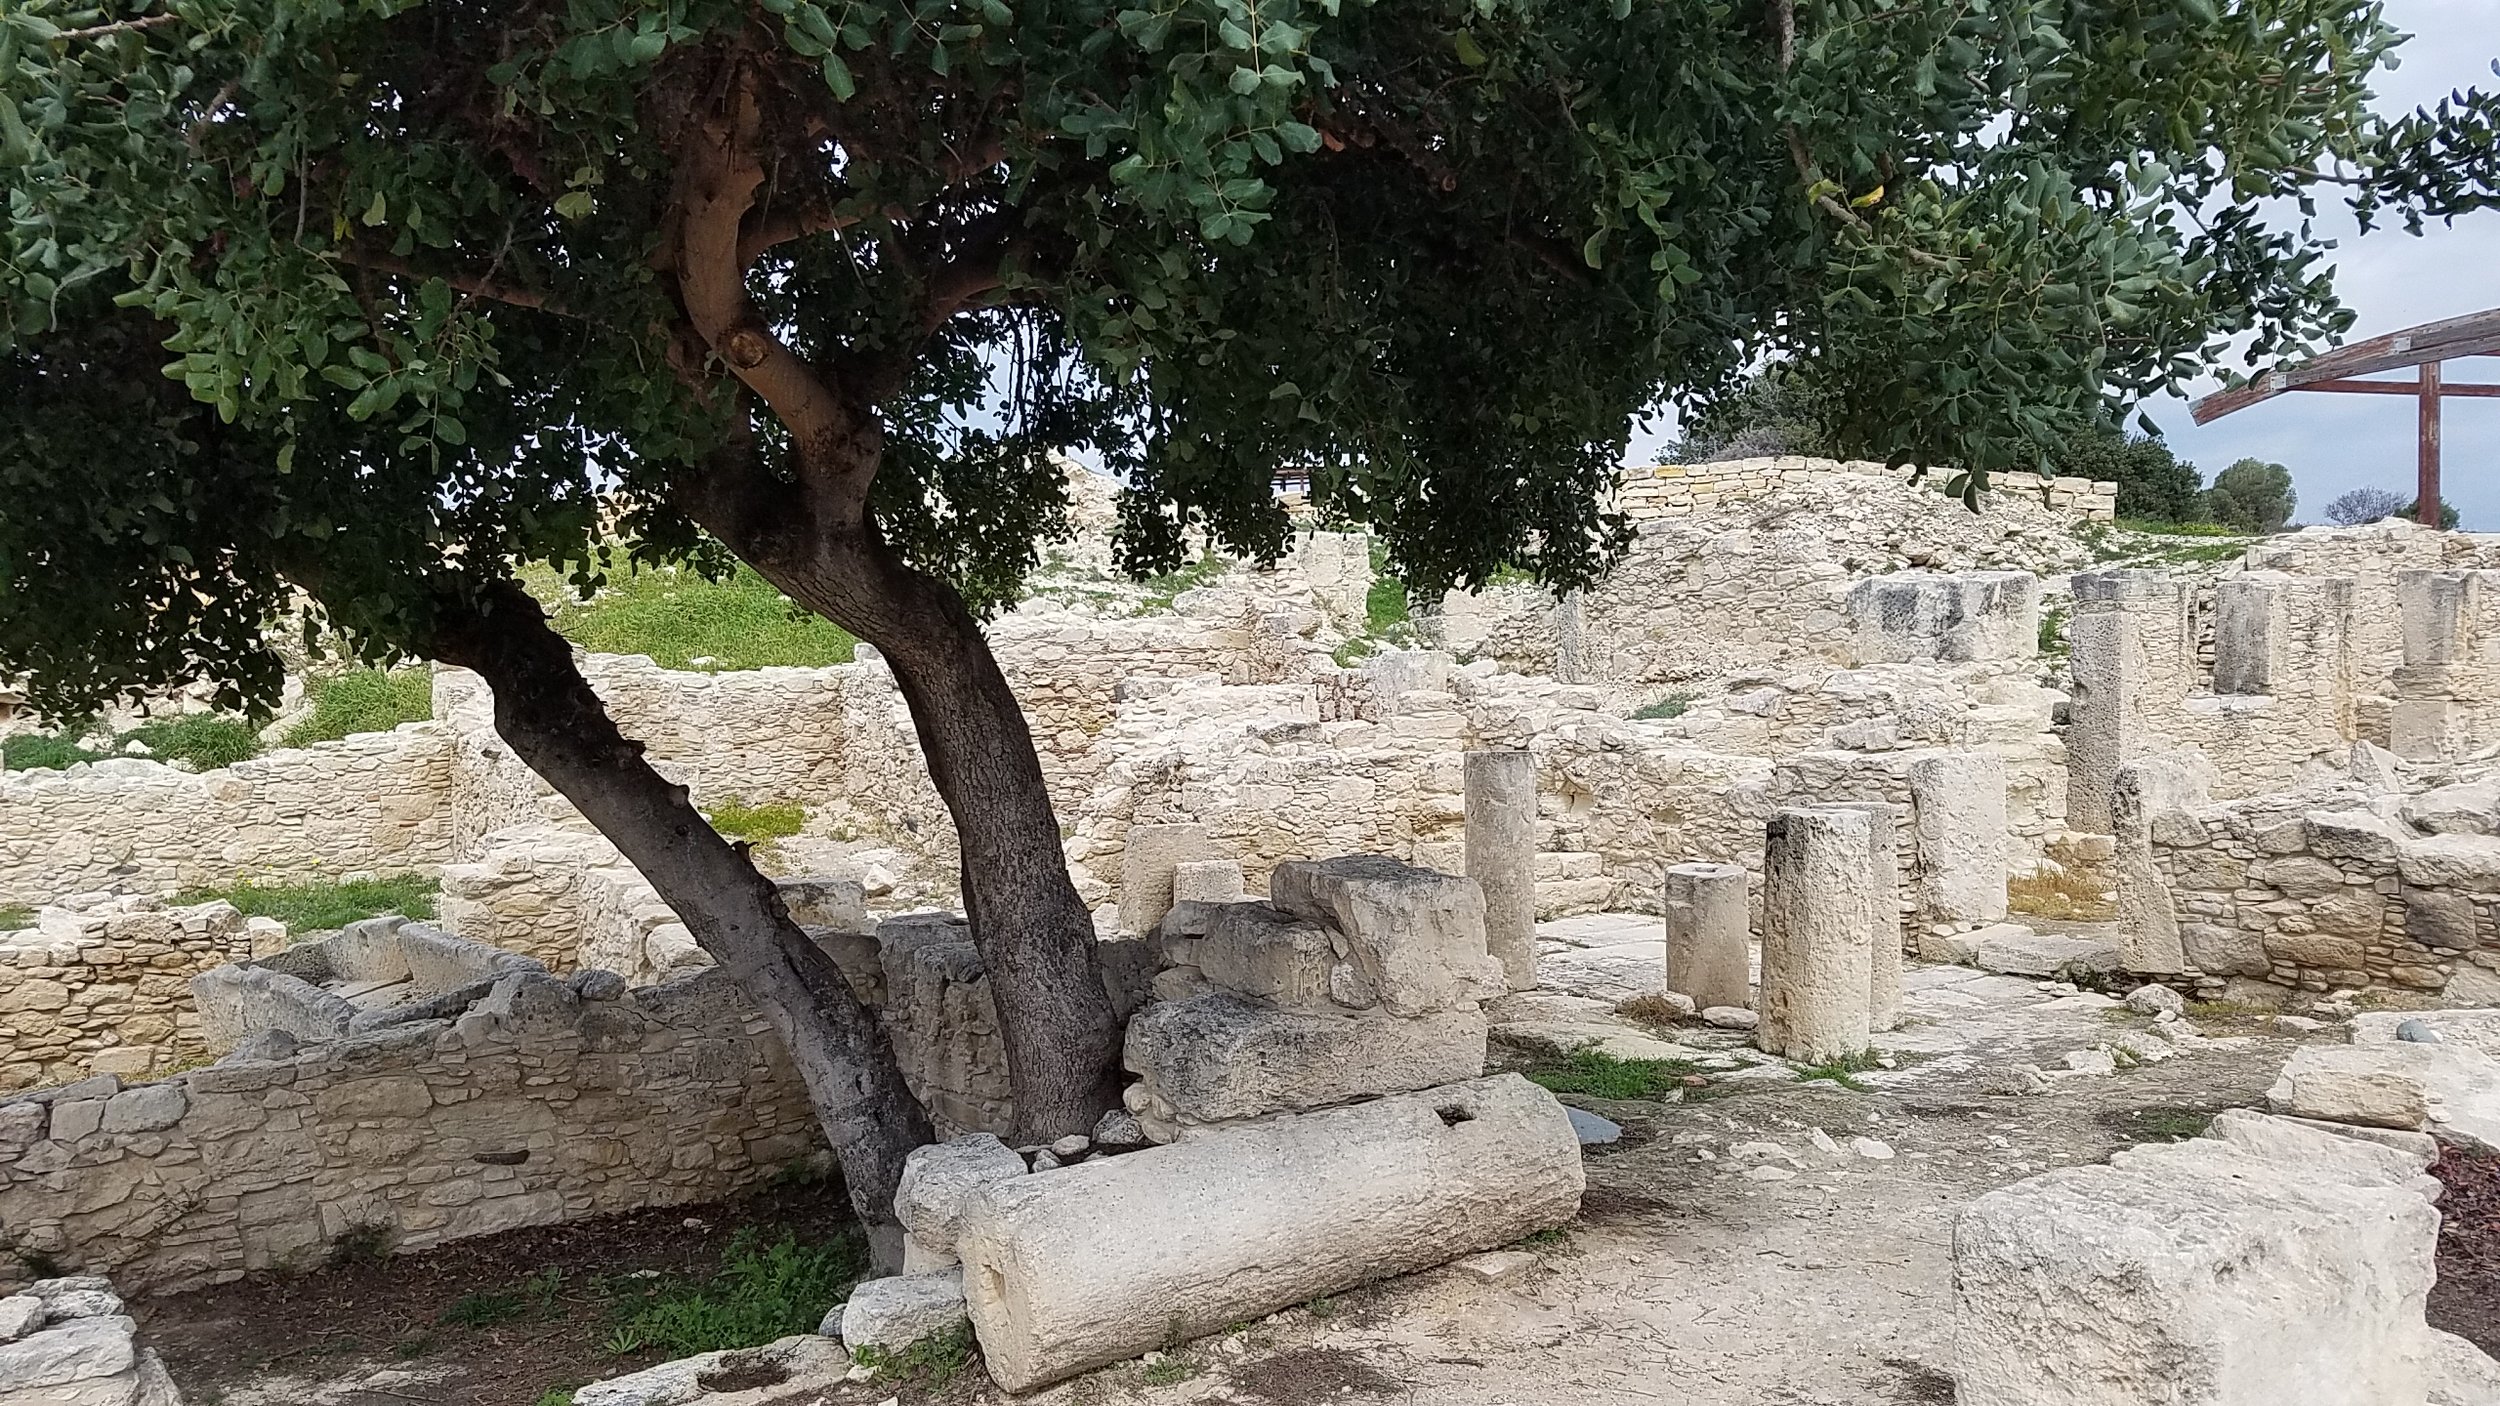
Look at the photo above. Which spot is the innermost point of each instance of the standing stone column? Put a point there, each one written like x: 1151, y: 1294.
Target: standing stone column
x: 1957, y: 800
x: 1707, y: 929
x: 2130, y: 658
x: 1883, y: 910
x: 1816, y: 966
x: 1501, y: 857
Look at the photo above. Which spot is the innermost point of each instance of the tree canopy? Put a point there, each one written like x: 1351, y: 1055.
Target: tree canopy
x: 2253, y: 496
x: 1440, y: 254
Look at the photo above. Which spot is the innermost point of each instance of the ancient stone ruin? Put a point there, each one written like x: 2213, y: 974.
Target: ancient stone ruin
x: 1854, y: 872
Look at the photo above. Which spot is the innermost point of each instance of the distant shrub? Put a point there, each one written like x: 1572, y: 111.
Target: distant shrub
x: 1671, y: 706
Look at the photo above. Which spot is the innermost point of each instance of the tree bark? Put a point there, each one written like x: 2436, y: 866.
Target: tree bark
x: 546, y: 711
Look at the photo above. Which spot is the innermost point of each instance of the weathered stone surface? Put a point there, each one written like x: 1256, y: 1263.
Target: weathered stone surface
x: 939, y: 1178
x: 2451, y: 861
x: 1816, y: 967
x: 1207, y: 881
x: 1108, y: 1259
x: 2202, y: 1277
x: 1883, y: 910
x: 1153, y: 851
x: 20, y: 1314
x: 2461, y: 1374
x: 1957, y: 800
x: 145, y: 1108
x: 1500, y: 800
x: 1263, y: 952
x: 733, y: 1378
x: 2045, y: 954
x: 2155, y: 999
x: 891, y: 1314
x: 2376, y: 1086
x: 1415, y: 936
x: 64, y: 1354
x: 1218, y: 1057
x: 839, y: 904
x: 1709, y: 953
x: 2471, y: 808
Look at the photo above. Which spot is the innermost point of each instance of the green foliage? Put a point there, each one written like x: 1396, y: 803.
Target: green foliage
x: 684, y: 621
x: 1165, y: 587
x: 1671, y: 706
x: 555, y: 1396
x: 42, y: 751
x: 325, y: 904
x: 1597, y: 1074
x: 772, y: 820
x: 534, y: 1297
x: 2448, y: 515
x: 931, y: 1362
x: 362, y: 700
x: 14, y: 916
x: 1775, y: 411
x: 205, y: 740
x: 1385, y: 606
x: 366, y: 1244
x: 1439, y: 255
x: 761, y: 1292
x: 2252, y: 496
x: 1842, y: 1070
x: 2160, y: 527
x: 2154, y: 484
x: 1545, y: 1239
x: 2053, y: 644
x: 1171, y: 1368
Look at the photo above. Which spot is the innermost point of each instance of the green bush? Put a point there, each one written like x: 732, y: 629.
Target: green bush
x: 322, y: 905
x: 1671, y: 706
x: 2448, y: 515
x: 362, y: 700
x: 773, y: 820
x: 676, y: 617
x: 43, y: 751
x: 14, y: 916
x: 2253, y: 496
x: 761, y: 1292
x: 2154, y: 485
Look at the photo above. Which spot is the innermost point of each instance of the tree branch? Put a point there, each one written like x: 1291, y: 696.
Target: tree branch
x: 474, y: 286
x: 120, y: 27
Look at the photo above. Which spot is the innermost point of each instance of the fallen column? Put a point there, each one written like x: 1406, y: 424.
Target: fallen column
x: 1817, y: 971
x: 1501, y: 857
x: 1102, y: 1261
x: 1707, y: 935
x: 1883, y: 910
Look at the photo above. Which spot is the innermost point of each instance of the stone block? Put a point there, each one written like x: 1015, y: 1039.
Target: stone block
x: 1415, y: 936
x: 807, y: 1358
x: 1262, y: 952
x: 1957, y: 804
x: 1817, y: 901
x: 1115, y: 1256
x: 840, y: 904
x: 1216, y: 1058
x: 1883, y: 910
x: 2469, y: 808
x: 2028, y: 953
x: 2452, y: 861
x: 1709, y: 951
x: 1152, y: 852
x: 936, y: 1180
x: 2192, y: 1278
x: 62, y: 1356
x: 20, y: 1314
x: 146, y: 1108
x: 1208, y: 881
x: 889, y: 1315
x: 2349, y: 1085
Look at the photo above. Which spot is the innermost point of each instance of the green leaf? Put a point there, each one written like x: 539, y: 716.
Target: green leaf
x: 838, y: 78
x: 1464, y: 42
x: 377, y: 211
x: 576, y: 204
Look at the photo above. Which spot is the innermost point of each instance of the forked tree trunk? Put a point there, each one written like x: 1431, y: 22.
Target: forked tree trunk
x: 1034, y: 934
x: 553, y: 721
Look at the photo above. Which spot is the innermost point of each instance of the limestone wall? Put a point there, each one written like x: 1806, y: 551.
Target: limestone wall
x: 104, y: 988
x: 534, y: 1108
x: 374, y: 802
x: 1685, y: 490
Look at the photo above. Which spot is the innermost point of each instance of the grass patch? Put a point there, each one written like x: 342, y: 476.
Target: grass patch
x: 930, y: 1362
x: 1163, y: 589
x: 1671, y: 706
x: 1323, y: 1308
x: 683, y: 621
x: 2061, y: 895
x: 324, y: 904
x: 2229, y: 1010
x: 1170, y: 1369
x: 2168, y: 1124
x: 361, y: 700
x: 2156, y: 527
x: 1842, y: 1070
x: 1651, y: 1009
x: 367, y: 1244
x: 1545, y: 1239
x: 205, y: 740
x: 761, y: 1292
x: 2053, y: 633
x: 1596, y: 1074
x: 14, y: 916
x: 555, y: 1396
x: 773, y: 820
x: 534, y: 1297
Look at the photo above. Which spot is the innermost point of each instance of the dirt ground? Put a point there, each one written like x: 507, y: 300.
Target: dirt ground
x: 1738, y: 1246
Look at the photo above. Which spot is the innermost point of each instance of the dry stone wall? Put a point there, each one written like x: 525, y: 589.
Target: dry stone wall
x: 1689, y: 490
x: 535, y: 1107
x: 103, y: 987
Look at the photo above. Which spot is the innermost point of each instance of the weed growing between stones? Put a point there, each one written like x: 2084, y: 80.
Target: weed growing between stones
x: 772, y: 820
x: 14, y: 916
x: 555, y: 1396
x: 362, y: 1244
x: 930, y: 1362
x: 361, y: 700
x: 1671, y: 706
x: 761, y: 1292
x: 1545, y: 1239
x: 534, y: 1297
x: 324, y: 904
x: 2168, y: 1124
x: 1596, y: 1074
x: 1842, y: 1070
x: 1168, y: 1368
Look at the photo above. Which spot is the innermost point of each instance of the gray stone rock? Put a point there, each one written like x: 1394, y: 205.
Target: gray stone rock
x: 76, y: 1118
x: 1416, y: 937
x: 1118, y: 1131
x: 2415, y: 1032
x: 146, y: 1108
x: 50, y: 1289
x: 893, y: 1313
x: 20, y: 1314
x: 688, y: 1380
x: 929, y: 1200
x: 68, y: 1353
x: 592, y: 984
x: 263, y: 1047
x: 1729, y: 1017
x: 1592, y: 1130
x: 1217, y: 1057
x: 81, y: 1303
x: 2154, y: 999
x: 2045, y: 954
x: 1071, y: 1147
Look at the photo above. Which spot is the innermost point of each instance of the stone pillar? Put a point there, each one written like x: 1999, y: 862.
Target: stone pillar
x: 1501, y: 857
x: 1883, y: 912
x: 2439, y: 609
x: 1816, y: 966
x: 1153, y: 851
x: 2130, y: 651
x: 1957, y: 802
x: 2149, y: 940
x: 1708, y: 956
x: 2248, y: 631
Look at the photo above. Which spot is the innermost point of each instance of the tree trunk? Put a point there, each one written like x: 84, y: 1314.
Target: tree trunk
x: 1035, y: 936
x: 556, y: 724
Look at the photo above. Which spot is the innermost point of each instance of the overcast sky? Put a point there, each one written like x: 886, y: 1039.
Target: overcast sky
x: 2390, y: 279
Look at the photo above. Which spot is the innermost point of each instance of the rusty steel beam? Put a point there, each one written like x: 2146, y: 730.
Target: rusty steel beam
x: 2475, y: 334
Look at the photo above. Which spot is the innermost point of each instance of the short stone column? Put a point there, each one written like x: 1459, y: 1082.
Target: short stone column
x: 1708, y: 955
x: 1501, y: 857
x: 1817, y: 969
x: 1957, y: 805
x: 1883, y: 913
x: 2130, y: 656
x: 1153, y: 851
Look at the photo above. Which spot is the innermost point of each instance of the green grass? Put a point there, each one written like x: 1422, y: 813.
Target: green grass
x: 1323, y: 1308
x: 362, y: 700
x: 773, y: 820
x: 1671, y: 706
x: 206, y: 740
x: 1599, y: 1075
x: 534, y: 1297
x: 761, y: 1292
x: 14, y: 916
x: 1842, y: 1071
x: 2169, y: 1124
x: 2053, y: 632
x: 2155, y: 527
x: 676, y: 617
x: 1171, y: 1370
x: 1166, y: 588
x: 324, y: 904
x: 1545, y: 1239
x: 555, y: 1396
x: 930, y: 1362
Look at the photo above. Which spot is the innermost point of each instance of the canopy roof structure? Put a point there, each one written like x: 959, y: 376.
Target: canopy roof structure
x: 2423, y: 347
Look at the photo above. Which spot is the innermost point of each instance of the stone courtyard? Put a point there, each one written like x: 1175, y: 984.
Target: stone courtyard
x: 1861, y: 951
